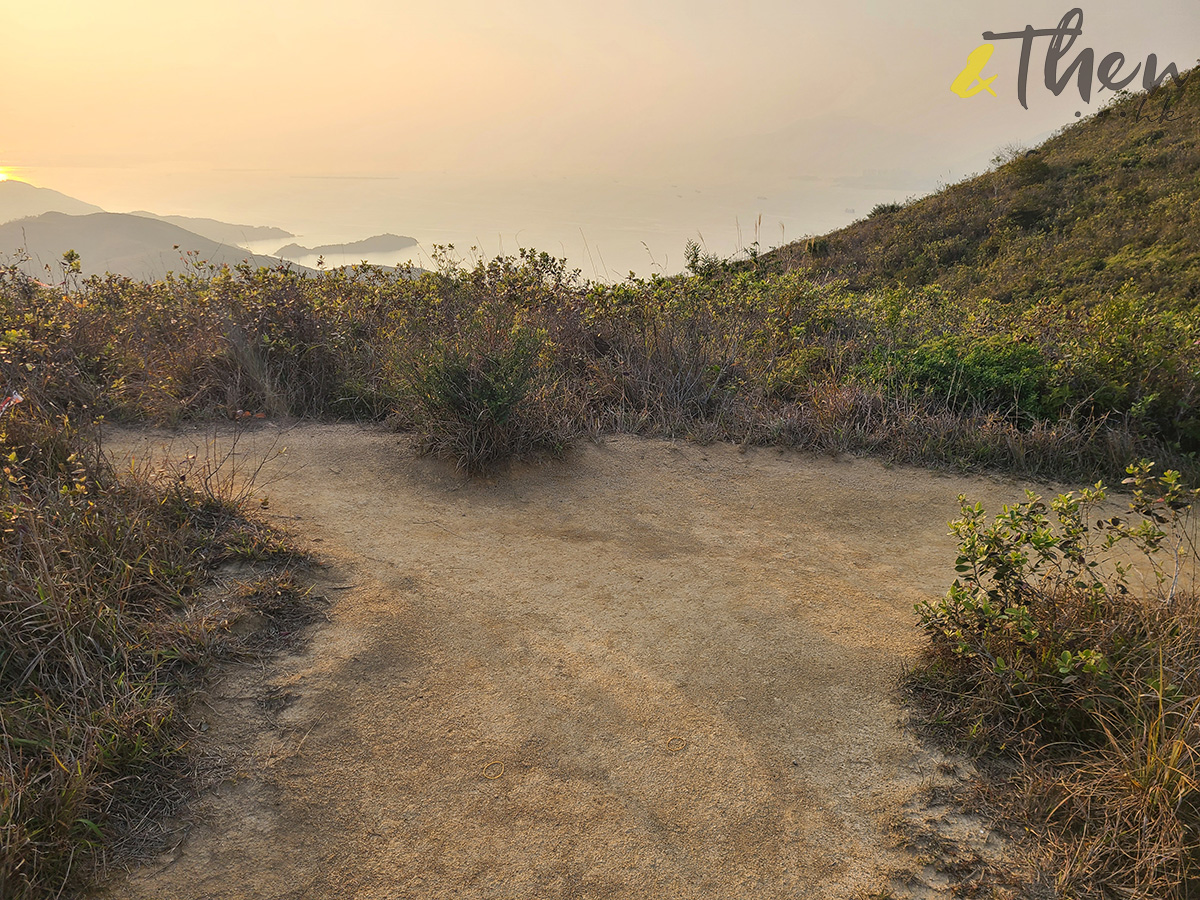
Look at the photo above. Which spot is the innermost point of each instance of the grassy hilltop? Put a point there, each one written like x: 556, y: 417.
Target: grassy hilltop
x: 1108, y: 204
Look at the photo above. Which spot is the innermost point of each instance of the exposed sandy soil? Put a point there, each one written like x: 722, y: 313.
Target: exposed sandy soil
x: 679, y: 661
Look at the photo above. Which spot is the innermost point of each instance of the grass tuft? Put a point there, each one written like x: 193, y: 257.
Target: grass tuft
x: 483, y: 400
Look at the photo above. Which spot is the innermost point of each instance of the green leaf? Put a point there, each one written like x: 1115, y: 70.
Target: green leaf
x: 91, y: 826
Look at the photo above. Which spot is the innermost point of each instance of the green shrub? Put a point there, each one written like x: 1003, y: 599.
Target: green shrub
x: 993, y: 373
x: 699, y: 262
x: 1045, y: 646
x: 1028, y: 169
x: 1028, y: 213
x: 818, y: 247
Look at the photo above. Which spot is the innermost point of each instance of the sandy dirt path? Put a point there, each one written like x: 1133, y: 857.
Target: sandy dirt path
x: 680, y: 662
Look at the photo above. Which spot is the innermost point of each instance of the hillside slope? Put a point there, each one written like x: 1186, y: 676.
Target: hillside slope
x: 1108, y: 202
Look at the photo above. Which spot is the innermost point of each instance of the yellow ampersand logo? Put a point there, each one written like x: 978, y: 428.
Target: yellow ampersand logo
x: 968, y: 83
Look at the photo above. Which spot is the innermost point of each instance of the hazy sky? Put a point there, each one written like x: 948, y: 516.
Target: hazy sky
x: 557, y: 119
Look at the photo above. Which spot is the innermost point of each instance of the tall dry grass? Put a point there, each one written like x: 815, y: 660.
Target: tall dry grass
x: 105, y: 631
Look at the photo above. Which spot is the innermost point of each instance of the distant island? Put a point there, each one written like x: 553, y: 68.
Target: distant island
x: 380, y: 243
x: 221, y: 232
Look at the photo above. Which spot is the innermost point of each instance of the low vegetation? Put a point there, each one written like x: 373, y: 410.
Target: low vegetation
x: 107, y: 624
x: 484, y: 394
x: 1071, y: 641
x: 514, y: 355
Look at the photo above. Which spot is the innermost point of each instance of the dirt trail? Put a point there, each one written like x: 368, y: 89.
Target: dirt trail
x: 683, y: 657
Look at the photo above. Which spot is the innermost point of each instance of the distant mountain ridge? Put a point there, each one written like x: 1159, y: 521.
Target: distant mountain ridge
x: 120, y: 243
x: 19, y: 199
x: 221, y: 232
x: 380, y: 243
x: 43, y: 224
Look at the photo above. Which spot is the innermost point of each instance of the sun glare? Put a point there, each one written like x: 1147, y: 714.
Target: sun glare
x: 3, y: 175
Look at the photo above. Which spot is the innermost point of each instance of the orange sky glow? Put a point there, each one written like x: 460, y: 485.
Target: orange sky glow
x: 503, y: 118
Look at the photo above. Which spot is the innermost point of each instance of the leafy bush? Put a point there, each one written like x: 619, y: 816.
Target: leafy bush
x: 1029, y: 168
x: 1044, y: 647
x: 818, y: 247
x: 996, y: 374
x: 1028, y: 213
x: 699, y: 262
